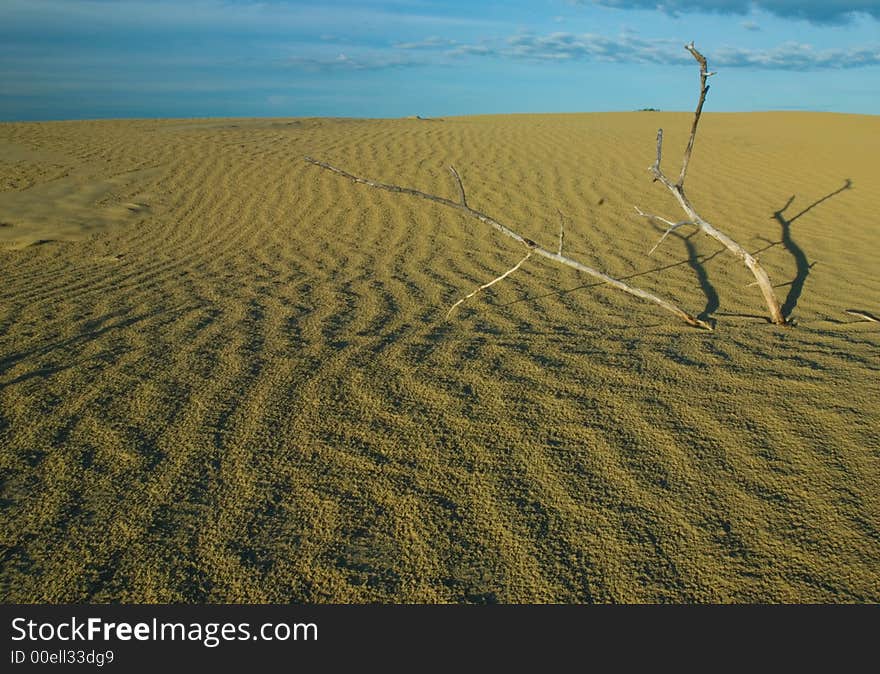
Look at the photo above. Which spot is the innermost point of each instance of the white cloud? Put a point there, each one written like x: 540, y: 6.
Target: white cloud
x: 628, y: 48
x: 428, y: 43
x: 342, y: 61
x: 471, y: 50
x: 817, y: 11
x: 797, y: 56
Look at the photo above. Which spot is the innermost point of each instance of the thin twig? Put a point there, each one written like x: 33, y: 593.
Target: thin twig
x: 490, y: 283
x: 528, y: 243
x: 672, y: 226
x: 460, y: 186
x: 561, y: 230
x: 862, y: 314
x: 656, y: 166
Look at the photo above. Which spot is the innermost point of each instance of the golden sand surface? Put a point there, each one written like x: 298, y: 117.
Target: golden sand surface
x: 226, y: 375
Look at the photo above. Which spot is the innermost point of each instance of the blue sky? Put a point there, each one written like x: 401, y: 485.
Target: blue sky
x: 74, y: 59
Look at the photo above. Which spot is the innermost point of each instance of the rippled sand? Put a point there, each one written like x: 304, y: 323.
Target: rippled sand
x: 225, y: 374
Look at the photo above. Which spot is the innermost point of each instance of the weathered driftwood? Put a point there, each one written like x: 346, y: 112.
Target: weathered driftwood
x: 677, y: 189
x: 561, y: 230
x: 534, y: 248
x: 490, y: 283
x: 864, y: 315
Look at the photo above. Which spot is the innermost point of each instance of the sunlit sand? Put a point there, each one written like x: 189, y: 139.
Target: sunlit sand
x: 226, y: 375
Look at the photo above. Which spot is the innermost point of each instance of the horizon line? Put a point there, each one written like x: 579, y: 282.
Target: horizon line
x: 136, y: 118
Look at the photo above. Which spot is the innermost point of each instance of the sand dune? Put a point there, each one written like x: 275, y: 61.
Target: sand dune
x: 225, y: 375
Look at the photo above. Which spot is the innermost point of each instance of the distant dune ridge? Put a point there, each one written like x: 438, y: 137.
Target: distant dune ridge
x: 225, y: 375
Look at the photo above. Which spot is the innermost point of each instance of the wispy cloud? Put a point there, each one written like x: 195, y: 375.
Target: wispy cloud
x: 472, y: 50
x: 342, y: 61
x: 797, y: 56
x: 817, y: 11
x: 628, y: 48
x: 428, y: 43
x: 593, y: 47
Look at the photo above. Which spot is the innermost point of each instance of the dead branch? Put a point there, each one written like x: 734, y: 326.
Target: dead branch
x: 677, y: 189
x: 704, y: 89
x: 561, y: 230
x: 460, y: 185
x: 533, y: 247
x: 490, y: 283
x: 864, y: 315
x: 672, y: 226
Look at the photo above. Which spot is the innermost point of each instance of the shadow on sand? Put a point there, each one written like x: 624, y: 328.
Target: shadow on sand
x: 694, y: 261
x: 802, y: 263
x: 697, y: 262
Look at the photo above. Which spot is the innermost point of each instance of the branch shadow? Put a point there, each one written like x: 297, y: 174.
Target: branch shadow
x: 695, y: 262
x: 802, y: 263
x: 694, y: 259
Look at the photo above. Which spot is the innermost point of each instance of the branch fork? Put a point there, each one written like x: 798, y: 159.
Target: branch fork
x: 677, y: 189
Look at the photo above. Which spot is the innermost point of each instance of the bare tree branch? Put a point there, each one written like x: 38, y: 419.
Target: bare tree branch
x: 561, y: 230
x: 864, y: 315
x: 528, y: 243
x: 672, y: 226
x: 655, y: 167
x: 460, y: 186
x: 704, y: 89
x: 490, y: 283
x: 677, y: 190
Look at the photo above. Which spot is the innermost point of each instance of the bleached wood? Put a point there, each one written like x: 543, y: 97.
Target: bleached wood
x: 460, y: 185
x: 561, y: 230
x: 528, y: 243
x: 864, y: 315
x: 672, y: 226
x: 704, y: 89
x: 677, y: 189
x: 490, y: 283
